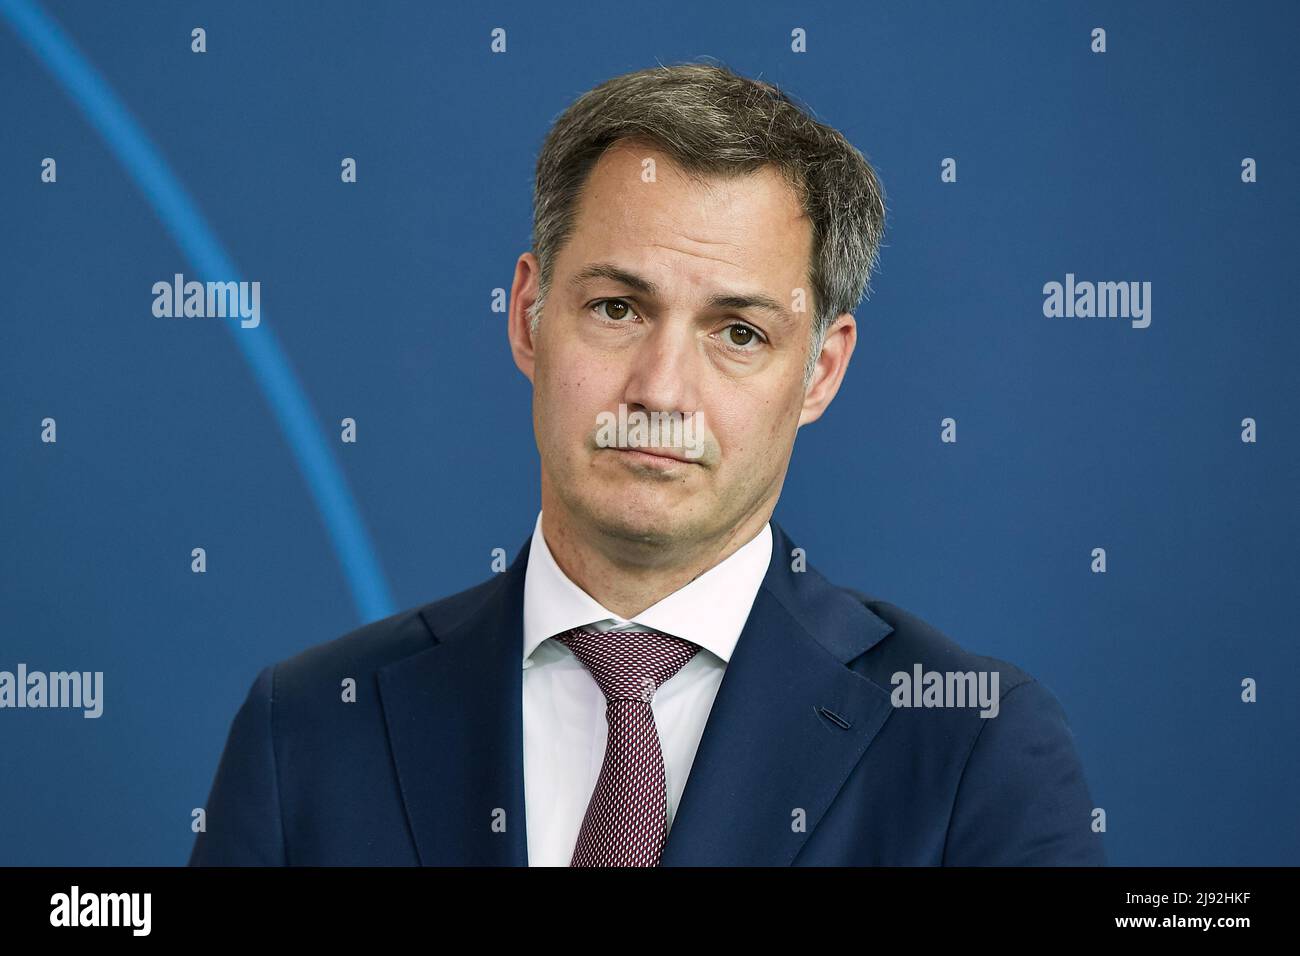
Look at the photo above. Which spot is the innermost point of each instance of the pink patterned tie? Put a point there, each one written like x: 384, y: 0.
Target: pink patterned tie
x: 627, y: 819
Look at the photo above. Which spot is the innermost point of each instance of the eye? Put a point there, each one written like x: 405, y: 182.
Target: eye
x: 741, y: 338
x: 618, y: 309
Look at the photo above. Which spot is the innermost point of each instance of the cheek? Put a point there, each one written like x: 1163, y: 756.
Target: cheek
x: 755, y: 431
x: 570, y: 393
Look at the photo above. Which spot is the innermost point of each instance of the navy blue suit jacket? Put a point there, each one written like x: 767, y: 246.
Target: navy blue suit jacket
x: 804, y: 759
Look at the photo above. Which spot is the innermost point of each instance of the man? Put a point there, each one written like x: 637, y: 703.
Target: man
x: 691, y: 692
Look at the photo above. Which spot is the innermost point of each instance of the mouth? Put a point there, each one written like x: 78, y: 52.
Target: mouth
x: 653, y: 458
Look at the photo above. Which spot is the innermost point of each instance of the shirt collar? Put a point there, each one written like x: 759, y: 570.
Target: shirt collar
x: 710, y: 611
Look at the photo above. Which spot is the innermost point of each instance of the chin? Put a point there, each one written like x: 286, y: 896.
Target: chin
x: 637, y: 518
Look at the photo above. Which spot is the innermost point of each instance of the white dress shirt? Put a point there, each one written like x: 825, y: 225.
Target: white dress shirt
x: 564, y: 710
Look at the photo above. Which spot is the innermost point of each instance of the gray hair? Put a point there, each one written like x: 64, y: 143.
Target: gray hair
x: 713, y: 122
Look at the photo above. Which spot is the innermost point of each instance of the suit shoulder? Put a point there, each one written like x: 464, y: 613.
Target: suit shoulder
x: 913, y: 641
x: 364, y: 650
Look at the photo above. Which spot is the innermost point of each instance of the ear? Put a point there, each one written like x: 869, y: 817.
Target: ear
x: 831, y: 365
x: 523, y: 293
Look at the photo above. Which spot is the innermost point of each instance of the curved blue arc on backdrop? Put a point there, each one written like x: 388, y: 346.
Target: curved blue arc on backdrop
x: 271, y: 368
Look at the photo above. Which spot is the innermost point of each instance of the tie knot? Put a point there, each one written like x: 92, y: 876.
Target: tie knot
x: 630, y: 665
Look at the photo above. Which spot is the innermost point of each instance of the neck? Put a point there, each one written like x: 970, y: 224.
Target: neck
x: 627, y: 579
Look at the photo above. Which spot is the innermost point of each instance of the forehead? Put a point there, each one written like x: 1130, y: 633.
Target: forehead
x: 748, y: 227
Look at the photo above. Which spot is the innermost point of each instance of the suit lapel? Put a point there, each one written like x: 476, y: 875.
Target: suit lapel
x: 455, y: 723
x: 789, y: 723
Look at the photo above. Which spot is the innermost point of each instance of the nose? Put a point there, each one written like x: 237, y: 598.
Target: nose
x: 664, y: 371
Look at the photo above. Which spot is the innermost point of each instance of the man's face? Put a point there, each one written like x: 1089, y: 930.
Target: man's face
x: 646, y: 310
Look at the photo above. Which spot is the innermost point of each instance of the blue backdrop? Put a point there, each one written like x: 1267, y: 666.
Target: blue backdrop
x: 376, y: 304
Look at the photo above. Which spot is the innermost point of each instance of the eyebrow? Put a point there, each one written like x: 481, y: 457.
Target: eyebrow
x: 719, y: 300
